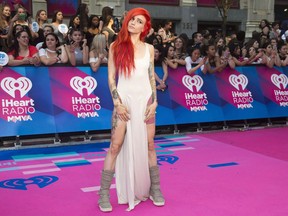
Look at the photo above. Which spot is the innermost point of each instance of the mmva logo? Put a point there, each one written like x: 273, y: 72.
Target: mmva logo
x: 88, y: 83
x: 237, y: 81
x: 10, y: 85
x: 195, y: 81
x: 277, y: 80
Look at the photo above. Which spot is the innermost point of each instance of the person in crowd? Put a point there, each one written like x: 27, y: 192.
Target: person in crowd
x: 197, y: 39
x: 93, y: 28
x: 12, y: 32
x: 98, y: 54
x: 180, y: 51
x: 74, y: 21
x: 41, y: 18
x: 165, y: 32
x: 194, y: 59
x: 265, y: 28
x: 106, y: 11
x: 158, y: 61
x: 212, y: 64
x: 23, y: 53
x: 275, y: 32
x: 57, y: 19
x: 52, y: 52
x: 132, y: 154
x: 270, y: 56
x: 207, y: 37
x: 83, y: 12
x: 283, y: 55
x: 225, y: 57
x: 255, y: 55
x: 108, y: 30
x: 236, y: 54
x: 5, y: 16
x: 46, y: 30
x: 77, y: 49
x: 169, y: 56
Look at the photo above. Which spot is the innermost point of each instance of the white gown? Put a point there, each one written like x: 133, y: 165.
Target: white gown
x: 132, y: 168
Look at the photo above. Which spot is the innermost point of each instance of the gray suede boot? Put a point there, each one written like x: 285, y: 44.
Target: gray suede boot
x: 104, y: 200
x: 155, y: 193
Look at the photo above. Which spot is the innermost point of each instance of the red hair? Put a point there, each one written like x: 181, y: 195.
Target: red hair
x: 123, y: 47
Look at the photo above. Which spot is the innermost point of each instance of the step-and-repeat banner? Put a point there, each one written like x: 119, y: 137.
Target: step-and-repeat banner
x: 42, y: 100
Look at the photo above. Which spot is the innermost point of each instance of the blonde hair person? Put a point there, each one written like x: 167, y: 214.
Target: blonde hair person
x: 98, y: 54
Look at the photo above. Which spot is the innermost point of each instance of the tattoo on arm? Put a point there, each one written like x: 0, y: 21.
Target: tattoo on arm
x: 115, y: 94
x: 152, y: 81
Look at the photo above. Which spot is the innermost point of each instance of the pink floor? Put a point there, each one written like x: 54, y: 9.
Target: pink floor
x: 208, y: 174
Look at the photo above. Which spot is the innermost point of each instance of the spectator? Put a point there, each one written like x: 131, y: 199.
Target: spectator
x: 41, y: 18
x: 158, y: 60
x: 74, y: 22
x: 98, y: 54
x: 282, y: 50
x: 93, y: 28
x: 52, y: 52
x: 275, y: 31
x: 166, y: 34
x: 23, y: 53
x: 194, y: 58
x: 180, y: 51
x: 77, y: 49
x: 197, y: 39
x: 83, y: 12
x: 271, y: 56
x: 57, y: 19
x: 108, y: 30
x: 5, y: 16
x: 106, y: 11
x: 46, y: 30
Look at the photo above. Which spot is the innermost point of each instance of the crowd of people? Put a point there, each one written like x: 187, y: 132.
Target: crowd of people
x: 89, y: 37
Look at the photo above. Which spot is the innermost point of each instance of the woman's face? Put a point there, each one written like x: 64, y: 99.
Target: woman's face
x: 23, y: 39
x: 95, y: 21
x: 51, y: 41
x: 156, y: 54
x: 268, y: 49
x: 77, y: 36
x: 211, y: 51
x: 252, y: 51
x: 136, y: 24
x: 178, y: 43
x: 6, y: 11
x: 171, y: 51
x: 195, y: 55
x: 76, y: 21
x: 220, y: 43
x: 237, y: 50
x: 256, y: 45
x: 59, y: 16
x: 47, y: 30
x: 283, y: 50
x: 19, y: 28
x: 43, y: 16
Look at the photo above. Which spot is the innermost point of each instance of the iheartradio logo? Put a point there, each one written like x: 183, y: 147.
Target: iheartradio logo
x: 277, y: 80
x: 11, y: 85
x: 195, y: 81
x: 237, y: 81
x: 88, y: 83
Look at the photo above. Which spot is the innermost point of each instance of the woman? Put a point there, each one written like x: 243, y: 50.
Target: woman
x: 5, y: 16
x: 271, y: 56
x: 57, y: 19
x: 131, y: 153
x: 282, y: 50
x: 158, y: 61
x: 108, y: 30
x: 52, y: 52
x: 180, y: 51
x: 98, y: 54
x: 77, y: 48
x: 23, y: 53
x: 93, y: 29
x: 74, y: 21
x: 194, y: 59
x: 41, y: 18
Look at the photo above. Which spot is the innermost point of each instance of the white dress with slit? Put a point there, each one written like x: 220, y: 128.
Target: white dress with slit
x: 132, y: 169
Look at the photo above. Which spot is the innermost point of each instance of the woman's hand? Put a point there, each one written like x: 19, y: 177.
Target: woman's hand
x: 150, y: 111
x: 122, y: 112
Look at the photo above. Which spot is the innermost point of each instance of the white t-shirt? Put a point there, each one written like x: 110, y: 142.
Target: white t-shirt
x: 189, y: 63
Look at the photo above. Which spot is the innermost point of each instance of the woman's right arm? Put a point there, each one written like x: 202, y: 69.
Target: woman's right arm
x: 121, y: 109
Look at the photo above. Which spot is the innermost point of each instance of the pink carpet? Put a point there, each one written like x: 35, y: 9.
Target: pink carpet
x: 213, y: 174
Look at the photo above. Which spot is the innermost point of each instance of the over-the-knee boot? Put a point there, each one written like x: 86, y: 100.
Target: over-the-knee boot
x: 155, y: 193
x: 104, y: 200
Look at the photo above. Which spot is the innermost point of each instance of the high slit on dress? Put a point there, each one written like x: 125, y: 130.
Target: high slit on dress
x: 132, y: 167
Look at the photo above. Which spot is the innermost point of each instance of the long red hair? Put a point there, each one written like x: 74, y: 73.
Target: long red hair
x: 123, y: 47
